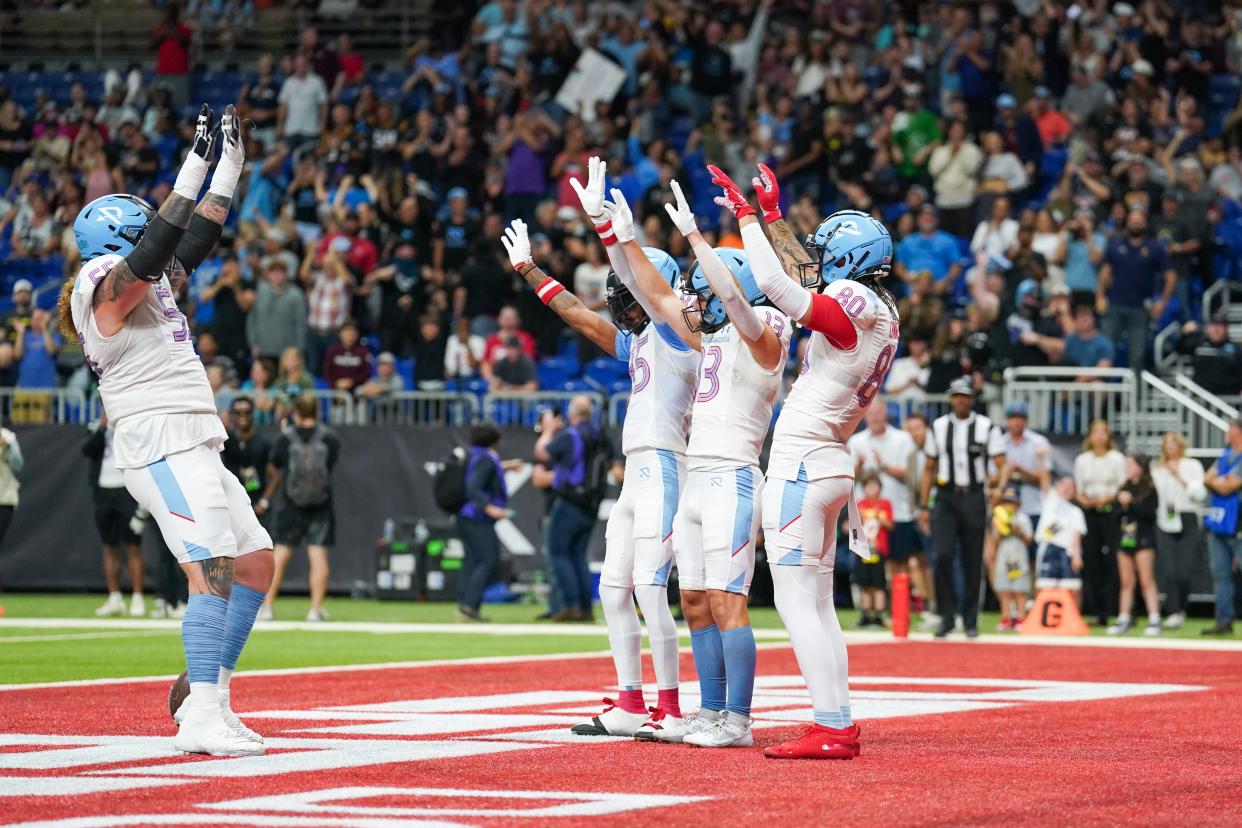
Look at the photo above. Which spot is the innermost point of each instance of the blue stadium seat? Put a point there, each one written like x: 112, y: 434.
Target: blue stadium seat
x: 405, y: 370
x: 555, y: 371
x: 578, y: 386
x: 605, y: 371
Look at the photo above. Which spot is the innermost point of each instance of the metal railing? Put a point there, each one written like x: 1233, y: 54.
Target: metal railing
x: 1063, y: 400
x: 1166, y: 356
x: 43, y: 406
x: 930, y: 406
x: 1165, y: 408
x: 523, y: 408
x: 1224, y: 407
x: 618, y: 404
x: 411, y: 408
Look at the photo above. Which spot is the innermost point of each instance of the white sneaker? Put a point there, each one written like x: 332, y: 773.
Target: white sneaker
x: 177, y: 612
x: 137, y: 606
x: 612, y: 722
x: 203, y: 730
x: 928, y: 620
x: 660, y: 721
x: 316, y: 616
x: 1153, y: 628
x: 265, y: 613
x: 675, y: 730
x: 234, y: 723
x: 1121, y: 627
x: 1175, y: 621
x: 114, y: 606
x: 730, y: 730
x: 158, y: 609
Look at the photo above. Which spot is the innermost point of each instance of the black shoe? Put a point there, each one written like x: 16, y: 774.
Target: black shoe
x: 972, y: 632
x: 544, y: 616
x: 943, y: 630
x: 1218, y: 629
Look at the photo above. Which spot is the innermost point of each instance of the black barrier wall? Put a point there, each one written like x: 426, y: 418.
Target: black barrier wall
x: 383, y: 473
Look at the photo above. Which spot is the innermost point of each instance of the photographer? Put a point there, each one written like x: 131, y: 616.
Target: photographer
x: 573, y: 462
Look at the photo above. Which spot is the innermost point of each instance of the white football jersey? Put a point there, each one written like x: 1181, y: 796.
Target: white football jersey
x: 662, y: 378
x: 733, y: 402
x: 835, y: 387
x: 147, y: 371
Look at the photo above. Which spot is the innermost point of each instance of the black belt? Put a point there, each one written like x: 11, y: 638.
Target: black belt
x: 977, y: 487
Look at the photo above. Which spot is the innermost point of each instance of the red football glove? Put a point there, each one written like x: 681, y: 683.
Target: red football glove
x: 732, y: 198
x: 769, y: 194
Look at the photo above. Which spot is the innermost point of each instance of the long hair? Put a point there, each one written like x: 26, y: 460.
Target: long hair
x: 64, y: 309
x: 875, y: 281
x: 1086, y: 443
x: 1177, y: 438
x: 1144, y: 487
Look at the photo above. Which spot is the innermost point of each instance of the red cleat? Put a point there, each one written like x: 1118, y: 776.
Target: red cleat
x: 819, y: 742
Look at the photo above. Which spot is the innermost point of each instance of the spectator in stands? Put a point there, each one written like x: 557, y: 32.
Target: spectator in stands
x: 1215, y: 360
x: 907, y: 379
x: 954, y: 166
x: 114, y: 510
x: 1136, y: 507
x: 35, y: 234
x: 1002, y: 170
x: 35, y: 351
x: 487, y: 499
x: 1028, y: 460
x: 171, y: 41
x: 1084, y: 251
x: 261, y: 391
x: 11, y: 464
x: 209, y: 354
x: 260, y: 102
x: 1224, y: 481
x: 454, y: 234
x: 15, y: 141
x: 565, y: 456
x: 915, y: 133
x: 1085, y: 346
x: 997, y: 234
x: 386, y: 381
x: 22, y: 310
x: 1053, y: 127
x: 510, y: 323
x: 464, y: 352
x: 292, y: 381
x: 329, y: 290
x: 1179, y: 543
x: 510, y: 369
x: 1099, y: 472
x: 931, y: 249
x: 247, y: 452
x: 302, y: 106
x: 9, y: 367
x: 347, y: 362
x: 303, y: 459
x: 277, y: 320
x: 1135, y: 268
x: 1027, y: 337
x: 430, y: 354
x: 232, y: 297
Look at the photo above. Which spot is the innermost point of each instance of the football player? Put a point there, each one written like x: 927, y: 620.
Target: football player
x: 743, y: 346
x: 122, y: 308
x: 854, y: 326
x: 638, y: 540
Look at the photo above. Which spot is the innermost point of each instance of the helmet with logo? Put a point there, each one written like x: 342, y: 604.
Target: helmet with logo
x: 849, y: 244
x: 620, y: 300
x: 708, y: 314
x: 111, y: 224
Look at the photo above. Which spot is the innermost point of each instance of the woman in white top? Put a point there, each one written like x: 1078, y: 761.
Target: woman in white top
x: 997, y: 233
x: 1050, y: 240
x: 1099, y: 473
x: 1179, y: 542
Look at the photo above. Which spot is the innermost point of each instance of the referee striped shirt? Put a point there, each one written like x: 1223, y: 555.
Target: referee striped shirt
x: 962, y: 449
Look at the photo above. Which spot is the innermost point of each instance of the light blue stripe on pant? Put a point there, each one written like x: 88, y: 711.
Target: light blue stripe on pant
x: 743, y: 522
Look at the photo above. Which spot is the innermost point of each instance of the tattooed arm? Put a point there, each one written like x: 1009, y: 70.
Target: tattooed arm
x: 792, y: 254
x: 576, y: 315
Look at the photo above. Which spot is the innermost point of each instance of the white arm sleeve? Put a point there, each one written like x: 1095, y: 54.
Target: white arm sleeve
x: 621, y: 266
x: 741, y: 314
x: 790, y: 297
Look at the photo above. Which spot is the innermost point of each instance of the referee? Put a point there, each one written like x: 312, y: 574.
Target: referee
x: 958, y: 448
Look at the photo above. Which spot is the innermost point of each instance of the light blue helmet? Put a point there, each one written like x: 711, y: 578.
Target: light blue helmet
x: 708, y: 315
x: 665, y: 264
x: 849, y: 244
x: 111, y: 224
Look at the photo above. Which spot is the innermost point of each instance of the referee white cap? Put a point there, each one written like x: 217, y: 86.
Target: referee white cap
x: 961, y: 385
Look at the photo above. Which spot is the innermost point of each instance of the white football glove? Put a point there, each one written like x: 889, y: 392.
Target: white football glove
x: 232, y: 155
x: 618, y: 212
x: 683, y: 218
x: 517, y: 244
x: 592, y: 195
x: 198, y: 159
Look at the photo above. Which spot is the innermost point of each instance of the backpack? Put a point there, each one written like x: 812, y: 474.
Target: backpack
x: 449, y: 484
x: 308, y: 480
x: 596, y: 463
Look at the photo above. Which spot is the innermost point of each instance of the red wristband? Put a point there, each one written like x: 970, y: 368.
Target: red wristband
x: 606, y: 235
x: 549, y: 290
x: 770, y: 216
x: 518, y: 267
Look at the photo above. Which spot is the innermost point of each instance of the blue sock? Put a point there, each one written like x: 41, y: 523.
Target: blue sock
x: 739, y: 659
x: 830, y: 718
x: 201, y: 632
x: 709, y: 663
x: 243, y: 609
x: 846, y: 716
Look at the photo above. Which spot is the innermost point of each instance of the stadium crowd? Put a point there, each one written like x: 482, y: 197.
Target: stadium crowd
x: 1060, y: 180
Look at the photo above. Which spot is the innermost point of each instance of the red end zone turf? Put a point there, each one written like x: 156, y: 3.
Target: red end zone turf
x: 1039, y: 735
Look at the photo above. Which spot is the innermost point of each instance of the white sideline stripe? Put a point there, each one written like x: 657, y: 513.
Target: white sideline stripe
x: 23, y: 639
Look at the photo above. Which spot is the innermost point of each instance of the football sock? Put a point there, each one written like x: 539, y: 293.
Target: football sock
x: 832, y: 632
x: 624, y: 638
x: 201, y: 632
x: 796, y: 602
x: 709, y: 663
x: 739, y: 660
x: 1153, y: 618
x: 244, y: 604
x: 847, y: 715
x: 631, y: 701
x: 661, y: 633
x: 669, y: 701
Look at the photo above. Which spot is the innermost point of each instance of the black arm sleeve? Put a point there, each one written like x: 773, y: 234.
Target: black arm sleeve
x: 197, y: 241
x: 154, y: 250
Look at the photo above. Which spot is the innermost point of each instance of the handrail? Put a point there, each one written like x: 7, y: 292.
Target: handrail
x: 522, y: 407
x: 1058, y: 403
x: 1035, y: 372
x: 1184, y: 400
x: 1207, y: 396
x: 1166, y: 360
x: 417, y: 408
x: 1210, y: 295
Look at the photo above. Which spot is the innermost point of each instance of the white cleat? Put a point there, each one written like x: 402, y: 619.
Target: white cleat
x: 612, y: 722
x: 674, y: 730
x: 112, y: 607
x: 316, y: 616
x: 231, y: 719
x: 203, y: 730
x: 265, y: 613
x: 137, y: 606
x: 1174, y: 621
x: 730, y: 730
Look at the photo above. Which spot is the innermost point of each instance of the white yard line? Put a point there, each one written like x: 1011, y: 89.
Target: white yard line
x: 25, y: 639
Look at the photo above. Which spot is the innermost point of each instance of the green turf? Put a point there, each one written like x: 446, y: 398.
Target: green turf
x: 35, y: 654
